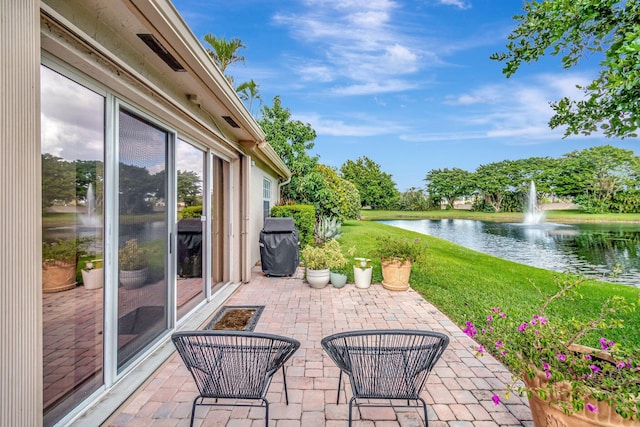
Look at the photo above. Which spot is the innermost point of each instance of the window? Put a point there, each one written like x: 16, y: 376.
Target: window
x: 266, y: 197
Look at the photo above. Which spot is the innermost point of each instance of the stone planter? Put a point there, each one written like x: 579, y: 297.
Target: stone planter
x: 58, y: 276
x: 93, y: 279
x: 362, y: 277
x: 395, y: 275
x: 338, y: 280
x: 318, y: 278
x: 133, y: 279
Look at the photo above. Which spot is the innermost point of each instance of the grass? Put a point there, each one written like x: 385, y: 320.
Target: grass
x: 465, y: 284
x: 561, y: 216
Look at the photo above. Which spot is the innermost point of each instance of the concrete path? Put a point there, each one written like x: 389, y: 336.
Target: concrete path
x: 458, y: 392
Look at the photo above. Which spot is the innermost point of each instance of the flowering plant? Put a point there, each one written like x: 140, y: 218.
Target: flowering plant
x: 544, y: 353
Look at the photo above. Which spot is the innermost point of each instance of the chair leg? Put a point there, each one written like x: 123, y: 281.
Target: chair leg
x: 339, y: 385
x: 193, y: 410
x: 426, y: 416
x: 284, y: 380
x: 266, y: 414
x: 350, y: 410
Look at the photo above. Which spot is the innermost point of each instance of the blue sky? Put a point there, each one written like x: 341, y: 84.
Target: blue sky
x: 407, y: 83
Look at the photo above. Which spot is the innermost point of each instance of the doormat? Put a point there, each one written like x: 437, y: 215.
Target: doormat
x: 236, y: 318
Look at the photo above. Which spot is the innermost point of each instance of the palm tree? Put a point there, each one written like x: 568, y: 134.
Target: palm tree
x: 248, y: 92
x: 223, y: 52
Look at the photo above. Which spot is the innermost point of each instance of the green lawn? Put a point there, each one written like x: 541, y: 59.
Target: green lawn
x: 465, y: 284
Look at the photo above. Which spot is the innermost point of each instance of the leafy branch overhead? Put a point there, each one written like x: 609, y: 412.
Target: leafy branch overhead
x: 573, y: 29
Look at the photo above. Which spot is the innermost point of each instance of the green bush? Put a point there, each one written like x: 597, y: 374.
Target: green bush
x: 191, y: 212
x: 304, y: 218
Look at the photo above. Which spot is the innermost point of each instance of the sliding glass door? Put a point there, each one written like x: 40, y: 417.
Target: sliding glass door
x: 143, y: 230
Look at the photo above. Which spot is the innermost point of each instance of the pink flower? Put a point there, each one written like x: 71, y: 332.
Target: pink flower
x: 489, y: 318
x: 480, y: 349
x: 547, y: 374
x: 523, y: 327
x: 621, y: 365
x: 470, y: 330
x: 499, y: 344
x: 592, y: 408
x: 594, y: 369
x: 496, y: 399
x: 561, y: 357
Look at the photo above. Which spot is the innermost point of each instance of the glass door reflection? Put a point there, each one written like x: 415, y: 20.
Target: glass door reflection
x: 142, y: 234
x: 190, y: 163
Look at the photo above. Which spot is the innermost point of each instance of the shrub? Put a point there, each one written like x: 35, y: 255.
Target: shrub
x: 304, y: 218
x: 191, y: 212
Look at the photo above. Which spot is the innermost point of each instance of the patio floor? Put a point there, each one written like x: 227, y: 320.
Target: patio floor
x: 458, y: 391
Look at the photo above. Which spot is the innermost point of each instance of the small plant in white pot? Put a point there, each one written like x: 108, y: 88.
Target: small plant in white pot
x: 362, y: 271
x: 93, y: 274
x: 319, y: 260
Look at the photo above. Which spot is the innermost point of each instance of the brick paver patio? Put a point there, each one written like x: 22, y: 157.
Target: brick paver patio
x: 458, y: 392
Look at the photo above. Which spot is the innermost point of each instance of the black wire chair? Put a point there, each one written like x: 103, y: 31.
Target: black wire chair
x: 233, y: 365
x: 385, y: 364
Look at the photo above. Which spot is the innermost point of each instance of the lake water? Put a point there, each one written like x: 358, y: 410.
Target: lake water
x: 591, y: 250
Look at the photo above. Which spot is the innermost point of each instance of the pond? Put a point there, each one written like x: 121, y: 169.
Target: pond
x: 592, y: 250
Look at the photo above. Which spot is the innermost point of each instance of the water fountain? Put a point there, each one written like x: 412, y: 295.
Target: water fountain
x: 533, y: 215
x: 89, y: 219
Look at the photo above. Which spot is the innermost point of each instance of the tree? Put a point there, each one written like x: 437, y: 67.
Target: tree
x: 292, y: 140
x: 188, y: 188
x: 573, y: 28
x: 449, y: 184
x: 594, y: 176
x: 248, y: 92
x: 224, y: 52
x: 331, y: 195
x: 58, y: 180
x: 495, y: 180
x: 376, y: 188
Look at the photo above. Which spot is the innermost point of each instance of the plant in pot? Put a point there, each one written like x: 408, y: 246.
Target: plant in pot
x: 339, y: 270
x: 319, y: 259
x: 93, y: 274
x: 133, y: 263
x: 568, y: 384
x: 362, y: 271
x: 59, y: 263
x: 396, y: 257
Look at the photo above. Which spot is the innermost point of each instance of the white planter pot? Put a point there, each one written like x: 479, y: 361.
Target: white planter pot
x: 318, y: 278
x: 93, y: 279
x: 338, y: 280
x: 133, y: 279
x: 362, y: 277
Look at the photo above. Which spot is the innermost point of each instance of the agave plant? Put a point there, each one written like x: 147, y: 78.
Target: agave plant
x: 327, y: 228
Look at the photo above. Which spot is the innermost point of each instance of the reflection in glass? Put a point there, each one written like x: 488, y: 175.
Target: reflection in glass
x: 142, y: 233
x: 72, y: 231
x: 190, y: 167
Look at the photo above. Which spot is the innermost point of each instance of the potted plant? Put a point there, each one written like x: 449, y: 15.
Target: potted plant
x: 396, y: 258
x: 567, y: 383
x: 132, y: 260
x: 362, y: 271
x: 93, y: 274
x: 59, y: 263
x: 319, y: 260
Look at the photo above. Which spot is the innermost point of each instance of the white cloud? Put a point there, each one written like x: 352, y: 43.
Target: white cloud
x: 457, y: 3
x: 355, y: 41
x: 362, y: 126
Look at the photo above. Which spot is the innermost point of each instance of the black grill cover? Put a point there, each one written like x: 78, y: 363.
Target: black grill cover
x: 279, y: 247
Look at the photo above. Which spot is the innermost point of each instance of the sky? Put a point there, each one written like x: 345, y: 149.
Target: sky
x: 406, y: 83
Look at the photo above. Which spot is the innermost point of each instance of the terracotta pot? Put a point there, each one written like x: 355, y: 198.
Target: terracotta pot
x: 395, y: 275
x: 549, y: 415
x: 58, y: 276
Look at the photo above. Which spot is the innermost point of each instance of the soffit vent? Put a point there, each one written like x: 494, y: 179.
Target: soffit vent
x: 161, y: 51
x: 231, y: 121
